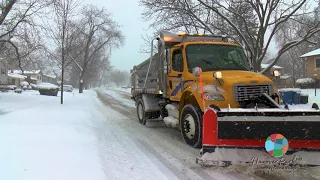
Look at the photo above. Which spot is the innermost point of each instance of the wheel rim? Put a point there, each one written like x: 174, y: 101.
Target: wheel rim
x: 140, y: 111
x: 189, y: 126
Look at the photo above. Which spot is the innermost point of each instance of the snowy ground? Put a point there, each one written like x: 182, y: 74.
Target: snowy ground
x: 42, y: 139
x: 186, y: 155
x: 310, y: 92
x: 97, y: 137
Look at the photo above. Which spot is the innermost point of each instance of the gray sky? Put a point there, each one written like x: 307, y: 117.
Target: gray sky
x: 127, y: 13
x: 128, y: 16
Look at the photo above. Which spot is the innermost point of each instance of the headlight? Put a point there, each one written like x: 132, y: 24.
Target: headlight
x: 213, y: 97
x: 217, y: 74
x: 276, y: 73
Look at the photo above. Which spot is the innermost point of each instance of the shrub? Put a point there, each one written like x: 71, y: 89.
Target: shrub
x: 305, y: 83
x: 48, y: 89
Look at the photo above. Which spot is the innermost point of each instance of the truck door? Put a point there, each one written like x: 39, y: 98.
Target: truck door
x: 175, y: 74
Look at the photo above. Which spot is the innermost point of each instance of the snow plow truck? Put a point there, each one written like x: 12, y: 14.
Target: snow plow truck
x: 193, y: 73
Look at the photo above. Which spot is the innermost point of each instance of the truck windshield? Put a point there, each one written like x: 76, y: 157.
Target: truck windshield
x: 213, y: 57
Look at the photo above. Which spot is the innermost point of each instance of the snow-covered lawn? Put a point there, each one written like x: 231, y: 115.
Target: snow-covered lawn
x: 42, y: 139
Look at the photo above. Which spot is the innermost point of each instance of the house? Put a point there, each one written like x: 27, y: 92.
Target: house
x: 3, y: 73
x: 313, y: 63
x: 16, y: 79
x: 263, y: 66
x: 285, y: 81
x: 49, y: 79
x: 268, y: 73
x: 33, y: 77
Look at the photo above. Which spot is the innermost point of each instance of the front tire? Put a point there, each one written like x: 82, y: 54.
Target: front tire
x: 191, y: 125
x: 141, y: 112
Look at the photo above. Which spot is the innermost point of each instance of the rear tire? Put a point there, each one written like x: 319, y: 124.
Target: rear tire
x: 141, y: 112
x: 191, y: 125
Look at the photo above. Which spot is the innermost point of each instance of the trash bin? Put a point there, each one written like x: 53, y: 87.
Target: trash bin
x: 304, y: 98
x: 296, y: 97
x: 287, y: 96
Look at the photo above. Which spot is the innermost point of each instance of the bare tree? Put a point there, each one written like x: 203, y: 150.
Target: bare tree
x: 99, y: 32
x: 294, y: 28
x: 62, y: 33
x: 17, y: 29
x: 119, y: 77
x: 204, y: 15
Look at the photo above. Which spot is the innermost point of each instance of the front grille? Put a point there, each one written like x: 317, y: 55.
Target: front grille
x: 242, y: 92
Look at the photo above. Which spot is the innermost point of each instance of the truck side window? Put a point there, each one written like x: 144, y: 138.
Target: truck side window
x: 177, y: 61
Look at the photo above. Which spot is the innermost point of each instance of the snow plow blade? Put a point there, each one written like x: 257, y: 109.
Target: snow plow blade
x: 249, y: 128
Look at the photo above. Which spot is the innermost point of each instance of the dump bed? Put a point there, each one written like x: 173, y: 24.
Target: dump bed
x: 143, y: 83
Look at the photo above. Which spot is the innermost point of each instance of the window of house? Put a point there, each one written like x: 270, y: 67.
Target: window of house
x: 318, y: 63
x: 2, y: 71
x: 177, y: 61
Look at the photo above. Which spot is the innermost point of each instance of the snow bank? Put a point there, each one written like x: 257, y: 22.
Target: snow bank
x: 73, y: 141
x: 47, y: 86
x: 171, y: 121
x: 305, y: 81
x: 255, y: 156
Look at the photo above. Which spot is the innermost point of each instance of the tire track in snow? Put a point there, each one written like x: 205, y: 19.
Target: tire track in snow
x: 170, y: 133
x: 167, y: 145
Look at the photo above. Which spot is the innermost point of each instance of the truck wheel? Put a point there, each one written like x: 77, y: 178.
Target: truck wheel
x: 141, y: 113
x: 191, y: 125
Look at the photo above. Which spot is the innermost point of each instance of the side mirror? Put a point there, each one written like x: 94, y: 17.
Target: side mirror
x: 197, y: 71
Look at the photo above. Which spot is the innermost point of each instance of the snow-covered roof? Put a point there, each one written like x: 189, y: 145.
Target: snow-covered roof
x: 16, y: 76
x: 50, y: 76
x: 312, y: 53
x: 263, y: 66
x: 25, y: 72
x: 47, y: 86
x: 284, y: 77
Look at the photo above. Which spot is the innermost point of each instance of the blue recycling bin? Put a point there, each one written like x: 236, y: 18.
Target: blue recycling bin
x: 287, y: 96
x: 296, y: 97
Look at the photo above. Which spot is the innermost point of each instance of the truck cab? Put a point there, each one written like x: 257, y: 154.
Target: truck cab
x: 193, y: 72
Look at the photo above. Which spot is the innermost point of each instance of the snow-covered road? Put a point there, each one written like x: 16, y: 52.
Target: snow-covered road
x: 168, y: 146
x: 97, y: 136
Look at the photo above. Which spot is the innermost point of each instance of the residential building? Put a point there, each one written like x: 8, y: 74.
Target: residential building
x: 15, y: 79
x: 313, y: 63
x: 268, y: 73
x: 33, y: 77
x: 49, y: 79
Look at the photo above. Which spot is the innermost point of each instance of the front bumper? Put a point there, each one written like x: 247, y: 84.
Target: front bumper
x: 251, y: 128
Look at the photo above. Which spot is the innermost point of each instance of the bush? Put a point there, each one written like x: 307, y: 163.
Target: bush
x: 18, y: 91
x: 305, y: 83
x: 49, y: 92
x: 48, y: 89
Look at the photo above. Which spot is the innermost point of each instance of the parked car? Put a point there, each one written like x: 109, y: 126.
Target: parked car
x: 67, y: 88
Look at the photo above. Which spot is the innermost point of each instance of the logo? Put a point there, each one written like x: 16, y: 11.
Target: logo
x: 276, y: 145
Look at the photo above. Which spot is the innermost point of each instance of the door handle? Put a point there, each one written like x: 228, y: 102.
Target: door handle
x: 170, y: 84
